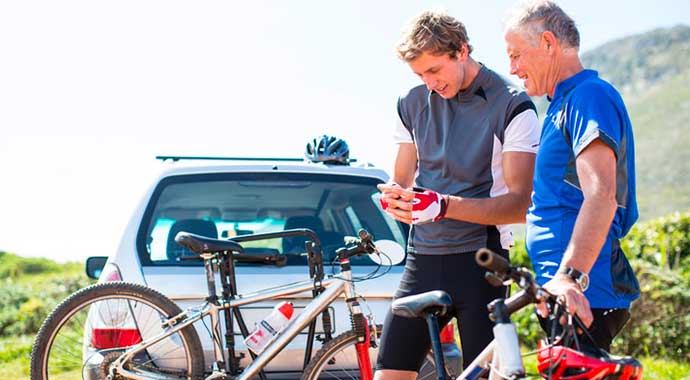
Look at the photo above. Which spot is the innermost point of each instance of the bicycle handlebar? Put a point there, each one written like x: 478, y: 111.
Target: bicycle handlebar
x: 502, y: 270
x: 363, y: 244
x: 492, y: 262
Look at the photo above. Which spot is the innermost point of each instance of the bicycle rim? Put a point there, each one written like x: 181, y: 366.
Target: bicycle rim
x: 88, y: 332
x: 338, y: 361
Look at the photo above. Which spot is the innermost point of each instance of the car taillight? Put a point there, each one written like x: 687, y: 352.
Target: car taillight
x: 110, y: 273
x: 448, y: 334
x: 112, y: 338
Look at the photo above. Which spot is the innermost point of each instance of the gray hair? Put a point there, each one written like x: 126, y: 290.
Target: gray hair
x: 539, y: 16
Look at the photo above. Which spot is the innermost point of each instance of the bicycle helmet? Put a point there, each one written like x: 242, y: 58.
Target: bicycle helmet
x: 329, y: 150
x: 563, y: 363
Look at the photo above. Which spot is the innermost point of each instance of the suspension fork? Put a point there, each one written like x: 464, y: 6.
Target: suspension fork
x: 360, y: 324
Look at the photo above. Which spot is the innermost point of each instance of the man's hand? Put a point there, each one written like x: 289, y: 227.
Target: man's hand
x: 567, y: 290
x: 412, y: 206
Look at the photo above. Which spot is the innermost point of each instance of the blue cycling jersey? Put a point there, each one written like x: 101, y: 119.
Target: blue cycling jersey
x: 584, y: 108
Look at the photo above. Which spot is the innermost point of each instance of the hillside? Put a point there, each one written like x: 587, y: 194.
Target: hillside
x: 634, y: 63
x: 652, y: 71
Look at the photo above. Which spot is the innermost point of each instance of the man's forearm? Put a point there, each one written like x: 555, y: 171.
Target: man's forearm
x: 591, y: 228
x: 405, y: 165
x: 405, y: 181
x: 504, y: 209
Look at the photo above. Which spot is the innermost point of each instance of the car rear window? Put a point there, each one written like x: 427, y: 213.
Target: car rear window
x: 228, y: 205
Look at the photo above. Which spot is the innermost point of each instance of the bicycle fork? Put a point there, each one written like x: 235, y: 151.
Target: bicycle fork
x: 360, y: 324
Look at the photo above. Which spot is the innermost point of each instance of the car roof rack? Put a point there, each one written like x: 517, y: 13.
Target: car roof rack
x: 283, y: 159
x: 185, y: 158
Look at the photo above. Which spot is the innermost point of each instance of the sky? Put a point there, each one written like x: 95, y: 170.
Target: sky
x: 91, y: 91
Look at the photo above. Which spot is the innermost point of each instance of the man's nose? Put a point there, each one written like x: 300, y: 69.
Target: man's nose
x: 513, y: 68
x: 430, y: 83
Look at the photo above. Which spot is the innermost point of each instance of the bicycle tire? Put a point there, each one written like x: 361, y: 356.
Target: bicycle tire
x: 316, y: 369
x: 69, y: 345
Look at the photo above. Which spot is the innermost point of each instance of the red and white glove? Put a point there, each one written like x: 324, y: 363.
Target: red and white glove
x: 428, y: 206
x: 384, y: 204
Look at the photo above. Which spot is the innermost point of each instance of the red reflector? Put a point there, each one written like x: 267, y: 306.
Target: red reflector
x: 112, y: 338
x: 448, y: 334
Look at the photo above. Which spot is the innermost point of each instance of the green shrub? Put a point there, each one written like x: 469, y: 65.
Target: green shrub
x: 518, y: 255
x: 660, y: 318
x: 11, y: 297
x: 13, y: 266
x: 25, y: 305
x: 30, y: 316
x: 664, y: 241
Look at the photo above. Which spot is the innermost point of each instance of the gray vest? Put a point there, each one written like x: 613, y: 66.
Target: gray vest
x: 455, y: 145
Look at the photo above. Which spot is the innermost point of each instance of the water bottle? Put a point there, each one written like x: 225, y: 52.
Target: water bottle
x: 269, y: 327
x: 508, y: 349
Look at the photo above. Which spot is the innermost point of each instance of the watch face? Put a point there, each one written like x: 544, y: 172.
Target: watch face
x: 583, y: 281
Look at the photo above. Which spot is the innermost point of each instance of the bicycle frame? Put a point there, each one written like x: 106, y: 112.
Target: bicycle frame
x: 335, y: 286
x: 481, y: 364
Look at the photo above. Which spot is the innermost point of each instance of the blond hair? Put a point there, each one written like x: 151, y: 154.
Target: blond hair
x: 435, y: 33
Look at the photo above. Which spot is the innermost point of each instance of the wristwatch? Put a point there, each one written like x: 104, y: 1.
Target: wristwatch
x: 581, y: 279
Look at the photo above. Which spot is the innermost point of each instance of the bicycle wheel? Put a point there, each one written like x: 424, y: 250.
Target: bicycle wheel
x: 337, y: 359
x: 89, y: 330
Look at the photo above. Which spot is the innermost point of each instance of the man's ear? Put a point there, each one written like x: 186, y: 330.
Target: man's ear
x: 548, y: 42
x: 462, y: 53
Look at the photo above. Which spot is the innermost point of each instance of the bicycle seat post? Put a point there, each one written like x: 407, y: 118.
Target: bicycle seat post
x: 210, y: 277
x: 437, y: 349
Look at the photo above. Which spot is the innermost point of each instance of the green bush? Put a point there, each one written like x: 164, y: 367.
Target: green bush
x: 13, y: 266
x: 660, y: 318
x: 24, y: 305
x: 11, y: 298
x: 664, y: 241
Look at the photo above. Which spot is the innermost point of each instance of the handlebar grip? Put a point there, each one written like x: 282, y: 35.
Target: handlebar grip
x: 365, y: 236
x: 492, y: 261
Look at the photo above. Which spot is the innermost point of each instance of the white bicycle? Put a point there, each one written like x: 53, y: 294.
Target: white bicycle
x: 560, y: 357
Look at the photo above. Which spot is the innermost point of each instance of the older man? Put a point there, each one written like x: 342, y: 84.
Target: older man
x: 584, y: 186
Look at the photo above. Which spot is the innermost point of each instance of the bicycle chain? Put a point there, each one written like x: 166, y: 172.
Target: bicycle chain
x: 108, y: 359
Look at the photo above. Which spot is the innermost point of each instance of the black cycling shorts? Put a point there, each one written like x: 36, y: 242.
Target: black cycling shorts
x: 405, y: 342
x: 606, y: 325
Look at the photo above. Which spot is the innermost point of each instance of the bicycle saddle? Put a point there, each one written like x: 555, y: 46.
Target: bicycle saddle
x: 200, y: 244
x: 419, y: 305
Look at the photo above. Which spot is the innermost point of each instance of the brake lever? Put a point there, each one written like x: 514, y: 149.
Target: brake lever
x: 350, y: 240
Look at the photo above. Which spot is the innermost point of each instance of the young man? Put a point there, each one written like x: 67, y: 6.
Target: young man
x: 469, y: 139
x: 584, y: 185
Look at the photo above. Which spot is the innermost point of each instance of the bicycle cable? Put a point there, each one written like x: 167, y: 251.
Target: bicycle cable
x: 370, y: 276
x: 210, y: 334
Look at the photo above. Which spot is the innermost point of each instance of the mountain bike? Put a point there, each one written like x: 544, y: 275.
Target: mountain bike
x: 119, y: 330
x: 563, y: 355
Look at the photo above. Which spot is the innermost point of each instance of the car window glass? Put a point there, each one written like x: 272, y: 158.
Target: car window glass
x: 225, y: 206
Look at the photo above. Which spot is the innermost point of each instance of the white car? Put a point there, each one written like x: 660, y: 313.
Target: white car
x: 227, y: 198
